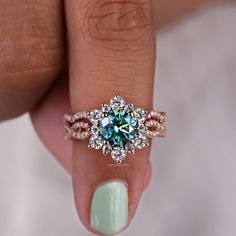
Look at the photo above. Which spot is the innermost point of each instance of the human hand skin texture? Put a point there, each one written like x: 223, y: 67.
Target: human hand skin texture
x: 36, y: 77
x: 33, y: 48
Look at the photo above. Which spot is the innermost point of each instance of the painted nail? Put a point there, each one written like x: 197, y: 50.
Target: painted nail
x: 109, y: 209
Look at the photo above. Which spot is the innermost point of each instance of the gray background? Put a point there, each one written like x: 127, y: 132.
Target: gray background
x: 193, y: 190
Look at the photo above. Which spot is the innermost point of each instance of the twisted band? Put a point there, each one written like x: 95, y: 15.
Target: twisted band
x: 117, y: 128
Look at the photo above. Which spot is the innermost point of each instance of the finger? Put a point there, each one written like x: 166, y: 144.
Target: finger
x: 47, y: 119
x: 32, y: 49
x: 112, y: 51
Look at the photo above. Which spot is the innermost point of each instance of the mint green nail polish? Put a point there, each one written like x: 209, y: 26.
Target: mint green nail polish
x: 109, y: 208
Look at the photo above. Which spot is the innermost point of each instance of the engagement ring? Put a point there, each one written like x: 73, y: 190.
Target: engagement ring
x: 117, y: 128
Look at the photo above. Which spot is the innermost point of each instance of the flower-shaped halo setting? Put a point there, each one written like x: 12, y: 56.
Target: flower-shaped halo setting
x: 117, y: 128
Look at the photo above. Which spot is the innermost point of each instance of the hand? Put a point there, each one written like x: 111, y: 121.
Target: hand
x: 104, y: 58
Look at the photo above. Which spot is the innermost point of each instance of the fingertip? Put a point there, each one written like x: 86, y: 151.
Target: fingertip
x: 107, y: 194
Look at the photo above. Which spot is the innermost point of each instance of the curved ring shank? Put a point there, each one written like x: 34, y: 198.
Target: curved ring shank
x: 116, y: 128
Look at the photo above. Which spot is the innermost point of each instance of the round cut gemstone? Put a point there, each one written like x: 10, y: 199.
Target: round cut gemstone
x: 118, y: 155
x: 118, y: 128
x: 96, y: 142
x: 141, y: 142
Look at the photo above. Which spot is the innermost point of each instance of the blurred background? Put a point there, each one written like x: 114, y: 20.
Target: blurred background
x: 193, y: 189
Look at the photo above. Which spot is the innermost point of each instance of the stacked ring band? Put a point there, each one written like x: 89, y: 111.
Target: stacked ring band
x: 117, y: 128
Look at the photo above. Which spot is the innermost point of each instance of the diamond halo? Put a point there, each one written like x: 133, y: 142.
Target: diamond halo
x: 116, y: 128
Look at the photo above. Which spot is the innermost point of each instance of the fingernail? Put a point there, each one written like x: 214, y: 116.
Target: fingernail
x: 109, y: 209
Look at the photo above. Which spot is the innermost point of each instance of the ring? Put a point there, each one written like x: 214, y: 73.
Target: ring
x: 117, y: 128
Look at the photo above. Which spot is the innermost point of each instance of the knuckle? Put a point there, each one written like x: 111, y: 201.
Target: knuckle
x: 117, y: 24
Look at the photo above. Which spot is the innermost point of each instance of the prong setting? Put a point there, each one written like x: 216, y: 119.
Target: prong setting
x: 117, y: 128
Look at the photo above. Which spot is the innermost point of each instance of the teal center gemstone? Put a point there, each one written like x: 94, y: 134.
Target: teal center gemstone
x: 118, y: 128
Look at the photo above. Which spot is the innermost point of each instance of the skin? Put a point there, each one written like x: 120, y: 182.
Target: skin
x: 47, y: 74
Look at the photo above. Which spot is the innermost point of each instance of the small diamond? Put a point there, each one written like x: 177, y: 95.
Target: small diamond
x: 94, y: 129
x: 95, y: 116
x: 80, y: 125
x: 80, y: 115
x: 153, y: 123
x: 117, y: 102
x: 141, y: 128
x: 118, y: 155
x: 69, y: 118
x: 141, y: 142
x: 68, y: 131
x: 129, y: 107
x: 152, y: 134
x: 106, y: 149
x: 96, y: 142
x: 141, y: 114
x: 105, y: 108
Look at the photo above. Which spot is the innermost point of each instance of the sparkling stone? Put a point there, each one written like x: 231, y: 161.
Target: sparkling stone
x: 153, y: 123
x: 141, y: 141
x: 80, y: 124
x: 69, y: 118
x: 118, y: 155
x: 106, y: 149
x: 118, y: 128
x: 117, y: 102
x: 80, y: 115
x: 152, y: 134
x: 95, y: 116
x: 141, y: 128
x: 129, y: 107
x: 105, y: 108
x: 68, y: 131
x: 96, y: 142
x: 94, y: 129
x: 141, y: 114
